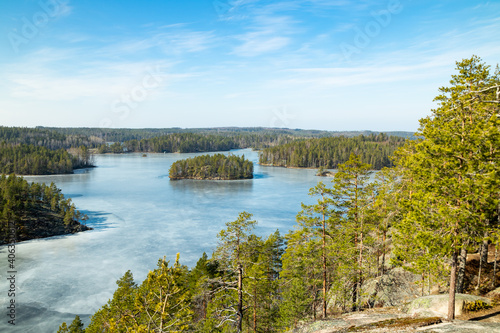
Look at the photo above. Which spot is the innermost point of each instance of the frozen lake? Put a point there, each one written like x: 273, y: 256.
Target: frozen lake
x: 139, y: 216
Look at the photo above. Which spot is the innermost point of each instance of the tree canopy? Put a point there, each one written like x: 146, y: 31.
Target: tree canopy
x: 452, y: 173
x: 375, y: 150
x: 35, y: 211
x: 218, y: 166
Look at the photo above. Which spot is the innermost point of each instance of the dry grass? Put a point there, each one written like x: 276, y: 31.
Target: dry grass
x: 399, y: 323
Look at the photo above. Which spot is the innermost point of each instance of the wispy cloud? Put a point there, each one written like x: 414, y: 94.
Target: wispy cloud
x: 58, y: 75
x: 258, y: 43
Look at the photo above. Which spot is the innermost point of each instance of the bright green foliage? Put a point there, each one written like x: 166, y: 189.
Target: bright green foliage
x: 321, y: 220
x: 75, y: 327
x: 476, y: 306
x: 160, y: 304
x: 119, y: 312
x: 35, y: 211
x: 234, y: 255
x: 452, y: 172
x: 218, y: 166
x: 328, y: 253
x: 301, y: 267
x: 239, y: 289
x: 163, y: 300
x: 262, y: 284
x: 352, y: 195
x: 296, y: 303
x: 63, y: 328
x: 387, y: 189
x: 332, y: 151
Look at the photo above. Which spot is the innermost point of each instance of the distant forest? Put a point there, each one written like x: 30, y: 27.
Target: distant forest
x: 330, y: 152
x: 128, y: 134
x: 44, y: 150
x: 218, y: 166
x: 47, y: 138
x: 34, y: 210
x: 34, y: 160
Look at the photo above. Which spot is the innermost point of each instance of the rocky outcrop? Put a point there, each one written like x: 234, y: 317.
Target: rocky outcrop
x: 396, y: 287
x: 437, y: 305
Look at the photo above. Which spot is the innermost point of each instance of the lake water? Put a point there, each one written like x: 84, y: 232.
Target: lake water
x: 139, y: 216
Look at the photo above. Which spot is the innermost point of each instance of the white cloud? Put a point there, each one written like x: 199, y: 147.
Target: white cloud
x: 256, y: 44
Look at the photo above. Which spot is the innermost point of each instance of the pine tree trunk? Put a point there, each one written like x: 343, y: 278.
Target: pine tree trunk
x: 383, y: 252
x: 377, y: 254
x: 462, y: 260
x: 453, y: 286
x: 314, y: 304
x: 355, y: 295
x: 480, y: 267
x: 423, y: 284
x: 484, y: 249
x: 495, y: 269
x: 240, y: 298
x: 255, y: 308
x: 360, y: 277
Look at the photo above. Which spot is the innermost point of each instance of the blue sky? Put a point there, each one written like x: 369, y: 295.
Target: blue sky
x: 322, y: 64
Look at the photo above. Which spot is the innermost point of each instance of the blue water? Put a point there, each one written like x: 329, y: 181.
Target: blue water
x: 138, y: 216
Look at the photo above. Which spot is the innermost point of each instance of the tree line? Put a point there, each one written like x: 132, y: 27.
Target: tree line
x: 218, y: 166
x: 330, y: 152
x: 129, y: 134
x: 193, y: 142
x: 35, y: 211
x: 24, y: 159
x: 47, y: 138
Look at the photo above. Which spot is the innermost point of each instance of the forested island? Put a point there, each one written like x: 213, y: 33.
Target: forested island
x: 34, y: 210
x: 331, y: 151
x: 213, y: 167
x: 417, y: 220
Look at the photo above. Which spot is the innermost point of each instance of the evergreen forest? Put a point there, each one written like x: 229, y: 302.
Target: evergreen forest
x: 24, y: 159
x: 35, y: 210
x: 329, y: 152
x: 218, y: 166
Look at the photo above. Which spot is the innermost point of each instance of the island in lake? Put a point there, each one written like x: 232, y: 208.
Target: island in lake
x: 30, y: 211
x: 212, y: 167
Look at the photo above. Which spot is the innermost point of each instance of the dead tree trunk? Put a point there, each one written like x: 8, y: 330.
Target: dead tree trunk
x: 240, y: 298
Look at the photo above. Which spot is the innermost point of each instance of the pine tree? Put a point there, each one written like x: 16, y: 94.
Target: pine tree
x: 234, y: 258
x: 351, y: 193
x: 452, y: 171
x: 321, y: 219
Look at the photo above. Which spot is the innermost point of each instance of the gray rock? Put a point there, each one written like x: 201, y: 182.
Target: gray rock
x: 396, y: 287
x: 437, y: 305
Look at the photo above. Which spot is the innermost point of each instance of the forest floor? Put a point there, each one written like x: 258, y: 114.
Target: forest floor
x: 392, y: 320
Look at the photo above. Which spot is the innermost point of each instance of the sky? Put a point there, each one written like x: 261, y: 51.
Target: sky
x: 312, y: 64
